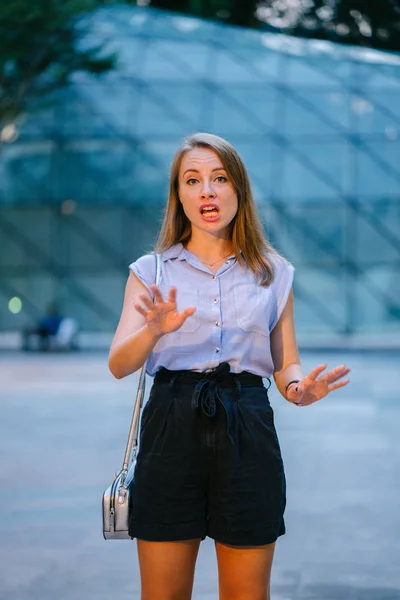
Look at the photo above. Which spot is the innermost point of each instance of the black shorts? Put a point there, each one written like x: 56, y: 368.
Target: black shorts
x: 209, y: 461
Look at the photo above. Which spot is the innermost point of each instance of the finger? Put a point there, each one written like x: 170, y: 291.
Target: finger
x: 157, y: 294
x: 315, y: 372
x: 172, y: 295
x: 339, y: 385
x: 146, y: 301
x: 335, y: 374
x: 341, y: 375
x: 182, y: 316
x: 338, y: 369
x: 189, y: 311
x: 140, y: 310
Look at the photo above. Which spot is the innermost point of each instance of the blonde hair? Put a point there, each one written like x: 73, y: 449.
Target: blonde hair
x: 249, y: 242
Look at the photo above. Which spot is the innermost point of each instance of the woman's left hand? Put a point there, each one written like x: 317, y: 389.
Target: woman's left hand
x: 310, y: 389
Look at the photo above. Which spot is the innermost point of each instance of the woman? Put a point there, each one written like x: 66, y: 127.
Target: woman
x: 222, y: 319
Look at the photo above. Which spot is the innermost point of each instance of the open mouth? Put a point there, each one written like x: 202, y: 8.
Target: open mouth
x: 209, y: 210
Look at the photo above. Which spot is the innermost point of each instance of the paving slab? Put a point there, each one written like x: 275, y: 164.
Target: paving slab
x: 64, y: 422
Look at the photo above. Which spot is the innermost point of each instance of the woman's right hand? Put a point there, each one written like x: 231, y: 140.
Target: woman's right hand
x: 162, y: 316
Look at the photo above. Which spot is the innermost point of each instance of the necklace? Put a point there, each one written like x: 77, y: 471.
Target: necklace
x: 215, y: 262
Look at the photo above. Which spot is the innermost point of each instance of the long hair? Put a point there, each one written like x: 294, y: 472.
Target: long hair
x: 246, y: 233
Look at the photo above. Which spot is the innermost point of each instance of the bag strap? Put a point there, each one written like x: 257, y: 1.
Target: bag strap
x: 132, y: 443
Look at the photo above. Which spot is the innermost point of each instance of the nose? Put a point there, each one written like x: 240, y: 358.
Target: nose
x: 207, y: 191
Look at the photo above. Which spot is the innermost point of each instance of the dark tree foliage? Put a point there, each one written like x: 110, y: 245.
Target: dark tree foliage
x: 374, y: 23
x: 239, y: 12
x: 39, y: 51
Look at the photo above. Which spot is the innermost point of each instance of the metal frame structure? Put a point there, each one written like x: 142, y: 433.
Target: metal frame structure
x: 317, y: 125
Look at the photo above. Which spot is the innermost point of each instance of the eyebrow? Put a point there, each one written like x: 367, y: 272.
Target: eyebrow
x: 196, y: 171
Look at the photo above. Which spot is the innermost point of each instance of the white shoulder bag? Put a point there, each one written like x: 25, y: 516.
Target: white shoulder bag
x: 116, y: 496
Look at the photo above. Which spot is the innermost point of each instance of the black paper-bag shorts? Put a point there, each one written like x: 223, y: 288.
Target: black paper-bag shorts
x: 209, y: 461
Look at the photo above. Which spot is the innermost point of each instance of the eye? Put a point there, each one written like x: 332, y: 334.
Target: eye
x: 221, y: 179
x: 191, y: 181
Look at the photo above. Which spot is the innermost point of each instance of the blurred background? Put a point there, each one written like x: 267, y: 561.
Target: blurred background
x: 94, y: 99
x: 93, y: 105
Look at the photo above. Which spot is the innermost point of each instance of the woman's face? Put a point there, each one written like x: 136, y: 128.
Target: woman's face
x: 207, y: 196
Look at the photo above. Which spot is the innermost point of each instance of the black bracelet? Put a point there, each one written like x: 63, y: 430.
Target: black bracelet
x: 290, y: 383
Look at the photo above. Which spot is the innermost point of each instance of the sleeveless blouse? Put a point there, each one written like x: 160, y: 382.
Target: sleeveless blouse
x: 234, y: 314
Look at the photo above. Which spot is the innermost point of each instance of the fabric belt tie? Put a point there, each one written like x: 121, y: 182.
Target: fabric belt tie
x: 208, y: 391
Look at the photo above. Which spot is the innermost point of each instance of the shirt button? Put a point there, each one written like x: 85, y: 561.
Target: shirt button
x: 217, y: 350
x: 214, y: 277
x: 217, y: 323
x: 215, y: 300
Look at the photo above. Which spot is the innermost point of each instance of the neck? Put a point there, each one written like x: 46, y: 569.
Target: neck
x: 211, y: 249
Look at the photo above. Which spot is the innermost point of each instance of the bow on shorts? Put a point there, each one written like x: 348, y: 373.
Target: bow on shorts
x: 209, y: 390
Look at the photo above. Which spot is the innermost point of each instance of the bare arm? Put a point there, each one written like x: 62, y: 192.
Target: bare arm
x: 285, y: 354
x: 142, y: 324
x: 133, y: 341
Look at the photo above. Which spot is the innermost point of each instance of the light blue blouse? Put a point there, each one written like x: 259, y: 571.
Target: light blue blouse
x: 234, y: 315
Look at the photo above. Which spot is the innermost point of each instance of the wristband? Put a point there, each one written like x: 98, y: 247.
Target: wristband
x: 290, y: 383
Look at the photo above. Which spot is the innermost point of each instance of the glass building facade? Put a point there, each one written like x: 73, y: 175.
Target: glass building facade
x: 83, y: 183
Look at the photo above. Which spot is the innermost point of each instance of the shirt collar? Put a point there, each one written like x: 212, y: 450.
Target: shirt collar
x: 176, y: 251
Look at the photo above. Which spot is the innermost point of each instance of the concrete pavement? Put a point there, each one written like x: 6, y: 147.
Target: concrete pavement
x: 64, y: 423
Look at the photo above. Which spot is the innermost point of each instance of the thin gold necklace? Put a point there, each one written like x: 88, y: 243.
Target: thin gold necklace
x: 215, y: 262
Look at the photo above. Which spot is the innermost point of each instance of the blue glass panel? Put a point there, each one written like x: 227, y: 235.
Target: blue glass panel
x: 229, y: 68
x: 39, y: 125
x: 378, y: 170
x: 164, y: 59
x: 376, y: 112
x: 91, y: 172
x: 300, y: 72
x: 129, y: 51
x: 80, y: 119
x: 34, y: 241
x: 339, y: 69
x: 320, y: 305
x: 315, y: 113
x: 258, y: 155
x: 380, y: 76
x: 315, y: 171
x: 130, y: 23
x: 182, y: 27
x: 241, y: 110
x: 376, y: 293
x: 372, y: 244
x: 385, y: 214
x: 173, y: 110
x: 114, y: 114
x: 152, y: 171
x: 313, y: 233
x: 26, y: 173
x: 193, y: 59
x: 266, y: 65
